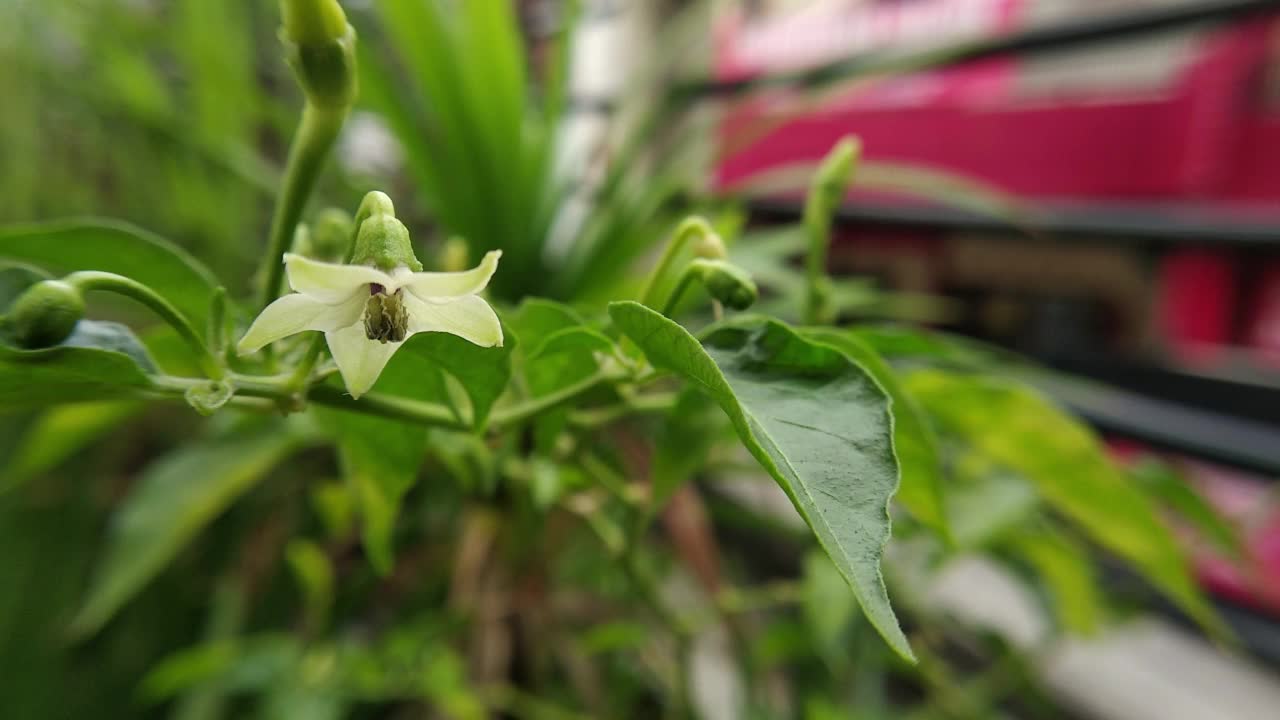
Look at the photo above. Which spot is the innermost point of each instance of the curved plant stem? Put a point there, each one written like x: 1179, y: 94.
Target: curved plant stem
x: 110, y: 282
x: 689, y: 229
x: 677, y: 292
x: 529, y: 408
x: 302, y: 372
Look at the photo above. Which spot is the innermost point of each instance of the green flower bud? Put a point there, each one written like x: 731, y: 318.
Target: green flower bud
x: 455, y: 256
x: 331, y: 234
x: 45, y: 314
x: 726, y: 282
x: 321, y: 48
x: 710, y: 246
x: 836, y: 172
x: 381, y: 240
x: 312, y: 22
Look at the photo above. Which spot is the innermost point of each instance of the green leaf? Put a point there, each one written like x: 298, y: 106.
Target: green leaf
x: 314, y: 575
x: 71, y: 373
x: 688, y: 434
x: 826, y: 603
x: 913, y: 439
x: 535, y: 322
x: 988, y: 505
x: 61, y: 432
x: 482, y: 372
x: 1068, y: 576
x: 904, y: 343
x: 574, y: 339
x: 174, y: 500
x: 380, y: 457
x: 1163, y: 482
x: 66, y: 246
x: 815, y: 421
x: 1016, y: 427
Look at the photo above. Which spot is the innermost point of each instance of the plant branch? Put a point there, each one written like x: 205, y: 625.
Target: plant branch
x: 110, y: 282
x: 315, y: 137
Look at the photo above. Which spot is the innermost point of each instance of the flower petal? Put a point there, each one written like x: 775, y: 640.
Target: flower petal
x: 469, y: 317
x: 359, y: 359
x: 295, y: 313
x: 443, y: 286
x: 331, y: 282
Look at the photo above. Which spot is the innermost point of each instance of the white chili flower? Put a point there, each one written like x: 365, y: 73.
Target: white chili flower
x: 366, y: 313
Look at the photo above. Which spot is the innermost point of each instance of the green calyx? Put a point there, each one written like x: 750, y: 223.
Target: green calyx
x: 46, y: 314
x: 726, y: 282
x: 381, y: 240
x: 322, y: 51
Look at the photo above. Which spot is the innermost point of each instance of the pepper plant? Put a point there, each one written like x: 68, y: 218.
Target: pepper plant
x: 465, y: 489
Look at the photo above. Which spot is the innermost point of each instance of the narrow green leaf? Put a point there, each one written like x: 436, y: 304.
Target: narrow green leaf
x: 1016, y: 427
x: 921, y: 491
x: 61, y: 432
x: 175, y: 499
x: 815, y: 421
x: 1068, y: 576
x: 574, y: 338
x: 66, y: 246
x: 826, y: 603
x: 1163, y: 482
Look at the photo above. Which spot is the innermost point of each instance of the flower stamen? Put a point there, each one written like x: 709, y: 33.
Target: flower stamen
x: 385, y: 317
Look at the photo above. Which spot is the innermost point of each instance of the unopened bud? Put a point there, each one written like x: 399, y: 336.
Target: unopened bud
x: 321, y: 46
x: 45, y: 314
x: 454, y: 255
x: 710, y: 246
x: 331, y: 234
x: 312, y: 22
x: 726, y: 282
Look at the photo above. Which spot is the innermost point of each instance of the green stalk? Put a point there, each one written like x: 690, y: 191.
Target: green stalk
x: 830, y: 184
x: 130, y: 288
x: 311, y: 145
x: 690, y: 229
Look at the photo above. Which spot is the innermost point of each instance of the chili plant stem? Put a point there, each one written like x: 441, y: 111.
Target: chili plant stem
x: 130, y: 288
x: 690, y: 229
x: 311, y: 145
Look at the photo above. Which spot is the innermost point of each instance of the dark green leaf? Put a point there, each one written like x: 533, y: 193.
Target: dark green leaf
x: 175, y: 499
x: 71, y: 373
x: 1016, y: 427
x: 913, y: 440
x: 66, y: 246
x: 380, y: 457
x: 482, y: 372
x: 814, y: 420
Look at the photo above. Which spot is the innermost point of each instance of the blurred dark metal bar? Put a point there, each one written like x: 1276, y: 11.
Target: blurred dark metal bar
x: 1148, y: 225
x: 1034, y: 40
